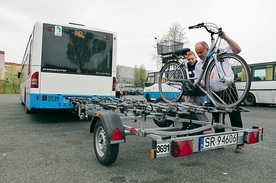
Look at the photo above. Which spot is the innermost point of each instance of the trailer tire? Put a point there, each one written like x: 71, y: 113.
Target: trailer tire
x: 193, y: 116
x: 106, y: 153
x: 162, y: 122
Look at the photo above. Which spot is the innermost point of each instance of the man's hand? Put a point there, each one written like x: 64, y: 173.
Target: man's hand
x: 223, y: 36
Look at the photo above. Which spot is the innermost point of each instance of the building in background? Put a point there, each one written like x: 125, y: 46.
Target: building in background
x: 125, y: 75
x: 9, y: 64
x: 2, y: 65
x: 5, y: 65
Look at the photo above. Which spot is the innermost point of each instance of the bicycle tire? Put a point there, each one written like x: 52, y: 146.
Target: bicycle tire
x: 229, y: 97
x: 171, y: 81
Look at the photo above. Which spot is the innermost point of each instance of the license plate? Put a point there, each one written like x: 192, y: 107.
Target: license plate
x: 162, y: 149
x: 215, y: 141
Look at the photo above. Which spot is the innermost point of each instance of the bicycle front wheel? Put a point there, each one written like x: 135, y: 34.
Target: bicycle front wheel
x: 171, y: 81
x: 228, y: 82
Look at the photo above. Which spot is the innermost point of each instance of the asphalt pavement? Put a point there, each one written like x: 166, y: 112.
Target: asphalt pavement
x: 55, y: 146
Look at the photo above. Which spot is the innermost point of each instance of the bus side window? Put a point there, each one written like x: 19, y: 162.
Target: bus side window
x: 274, y: 73
x: 257, y: 79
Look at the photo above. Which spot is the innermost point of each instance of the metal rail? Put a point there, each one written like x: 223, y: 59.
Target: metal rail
x: 183, y: 136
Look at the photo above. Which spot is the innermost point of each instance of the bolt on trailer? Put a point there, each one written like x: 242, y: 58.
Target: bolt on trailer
x: 183, y: 128
x: 67, y: 60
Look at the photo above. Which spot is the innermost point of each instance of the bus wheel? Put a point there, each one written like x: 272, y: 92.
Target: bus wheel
x: 148, y: 98
x: 250, y: 100
x: 159, y: 99
x: 28, y: 111
x: 106, y: 153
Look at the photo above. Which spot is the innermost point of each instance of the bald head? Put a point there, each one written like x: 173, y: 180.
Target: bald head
x: 201, y: 49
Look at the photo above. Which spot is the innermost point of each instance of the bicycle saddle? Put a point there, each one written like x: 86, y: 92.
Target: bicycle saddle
x: 182, y: 51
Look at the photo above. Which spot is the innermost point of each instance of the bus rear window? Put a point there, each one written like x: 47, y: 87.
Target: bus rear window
x: 76, y: 51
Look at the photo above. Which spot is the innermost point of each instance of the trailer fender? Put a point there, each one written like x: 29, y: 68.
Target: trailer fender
x: 112, y: 124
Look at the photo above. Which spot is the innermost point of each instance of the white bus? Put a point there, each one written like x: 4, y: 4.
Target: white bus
x: 68, y: 60
x: 151, y: 90
x: 263, y: 85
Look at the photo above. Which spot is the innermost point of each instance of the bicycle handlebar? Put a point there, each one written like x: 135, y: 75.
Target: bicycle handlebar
x: 210, y: 27
x: 196, y: 26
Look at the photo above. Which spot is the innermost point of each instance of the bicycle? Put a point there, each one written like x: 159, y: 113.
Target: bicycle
x: 174, y: 73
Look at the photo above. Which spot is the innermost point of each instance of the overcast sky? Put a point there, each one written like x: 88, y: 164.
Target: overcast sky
x: 251, y: 23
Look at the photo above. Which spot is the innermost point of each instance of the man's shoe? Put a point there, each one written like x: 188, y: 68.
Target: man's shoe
x: 239, y: 149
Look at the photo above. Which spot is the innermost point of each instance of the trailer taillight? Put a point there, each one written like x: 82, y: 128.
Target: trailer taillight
x: 34, y: 80
x: 182, y: 148
x: 117, y: 135
x: 254, y: 136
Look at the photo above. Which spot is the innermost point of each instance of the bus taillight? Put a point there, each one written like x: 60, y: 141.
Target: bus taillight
x: 114, y: 84
x: 34, y: 81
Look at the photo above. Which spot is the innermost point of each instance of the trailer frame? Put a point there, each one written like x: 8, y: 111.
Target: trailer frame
x: 187, y: 132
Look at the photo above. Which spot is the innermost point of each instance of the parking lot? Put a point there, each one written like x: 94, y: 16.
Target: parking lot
x: 55, y: 146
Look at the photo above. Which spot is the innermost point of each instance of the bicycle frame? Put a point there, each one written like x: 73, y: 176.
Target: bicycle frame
x: 213, y: 51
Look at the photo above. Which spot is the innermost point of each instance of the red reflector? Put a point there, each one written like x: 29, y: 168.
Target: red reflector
x: 208, y: 129
x: 253, y: 137
x: 117, y: 135
x: 132, y: 130
x: 182, y: 148
x: 44, y: 97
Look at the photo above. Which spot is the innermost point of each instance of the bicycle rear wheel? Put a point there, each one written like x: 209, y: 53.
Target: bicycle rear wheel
x: 229, y: 88
x: 171, y: 81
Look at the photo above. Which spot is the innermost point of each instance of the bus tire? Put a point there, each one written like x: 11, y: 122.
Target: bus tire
x: 106, y: 153
x: 28, y: 111
x: 148, y: 98
x: 250, y: 100
x: 159, y: 99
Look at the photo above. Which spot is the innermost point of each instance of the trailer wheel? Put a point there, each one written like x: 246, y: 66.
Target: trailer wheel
x: 190, y: 125
x: 162, y: 122
x: 106, y: 153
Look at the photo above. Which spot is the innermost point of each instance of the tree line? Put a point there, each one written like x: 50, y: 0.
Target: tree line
x: 11, y: 83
